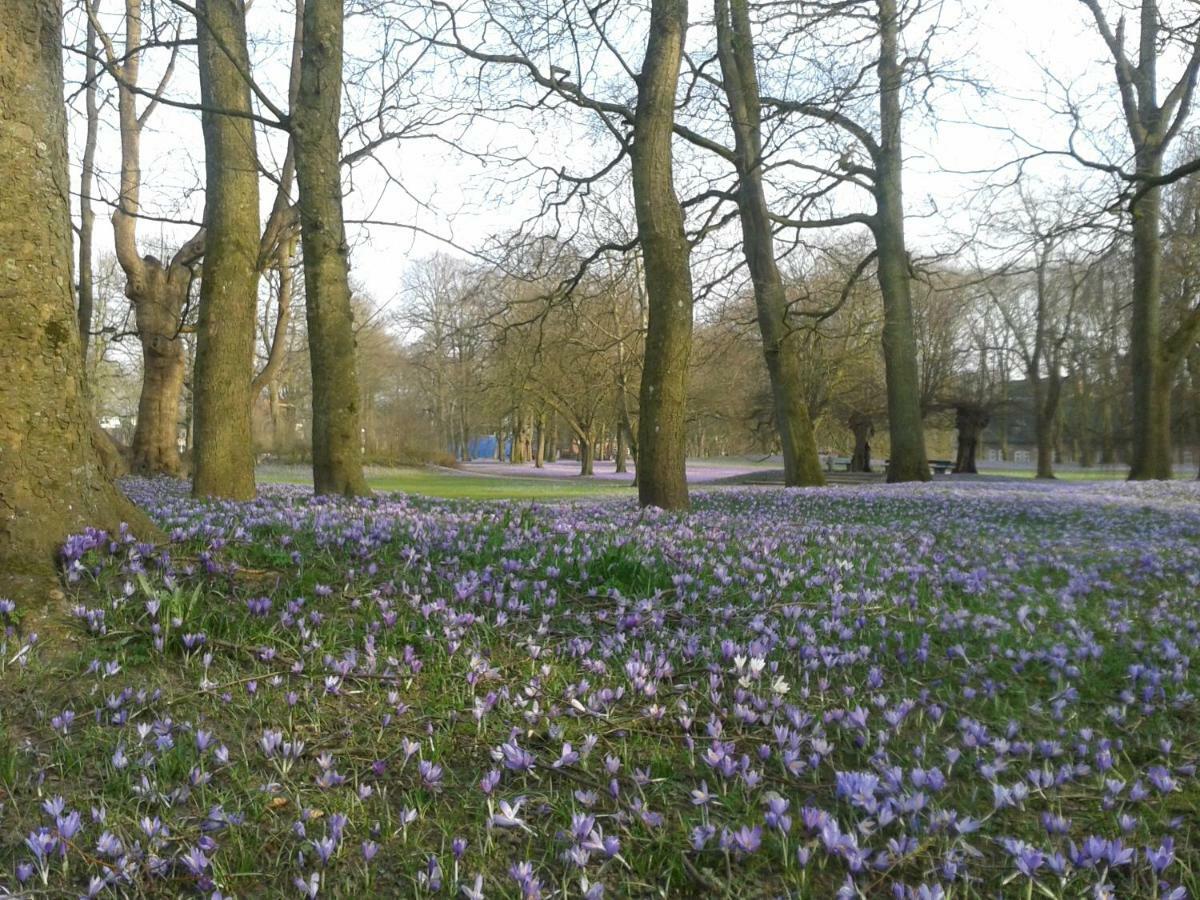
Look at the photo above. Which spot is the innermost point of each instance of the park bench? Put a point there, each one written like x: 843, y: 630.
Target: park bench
x: 837, y: 464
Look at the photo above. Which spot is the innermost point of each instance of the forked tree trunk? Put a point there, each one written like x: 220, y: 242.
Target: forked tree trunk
x: 337, y: 457
x: 52, y: 482
x: 662, y: 432
x: 735, y: 42
x: 224, y: 452
x: 158, y: 294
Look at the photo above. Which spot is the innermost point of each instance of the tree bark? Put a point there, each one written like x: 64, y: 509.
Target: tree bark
x: 52, y: 482
x: 662, y: 433
x: 735, y: 42
x: 970, y: 420
x: 337, y: 457
x: 87, y: 178
x: 587, y: 454
x: 224, y: 454
x: 905, y: 427
x: 864, y: 430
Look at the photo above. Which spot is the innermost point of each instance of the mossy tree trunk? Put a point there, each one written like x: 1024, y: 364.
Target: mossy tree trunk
x: 316, y: 133
x: 735, y: 44
x: 224, y: 450
x: 662, y: 431
x: 52, y: 482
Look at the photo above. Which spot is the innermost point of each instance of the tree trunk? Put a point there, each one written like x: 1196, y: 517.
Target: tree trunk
x: 970, y: 420
x: 337, y: 456
x: 87, y: 178
x: 662, y: 432
x: 863, y: 429
x: 1151, y: 396
x: 735, y: 42
x: 905, y: 427
x: 224, y: 455
x: 52, y: 482
x: 621, y: 456
x: 539, y: 459
x: 158, y: 295
x: 587, y: 454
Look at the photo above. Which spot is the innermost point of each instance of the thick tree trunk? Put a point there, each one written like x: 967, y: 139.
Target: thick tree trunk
x: 662, y: 431
x: 735, y: 43
x: 158, y: 295
x: 224, y: 454
x: 52, y: 482
x: 1151, y: 390
x: 905, y: 427
x: 970, y: 420
x: 864, y: 430
x: 337, y: 457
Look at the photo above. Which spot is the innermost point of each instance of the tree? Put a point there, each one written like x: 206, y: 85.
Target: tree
x: 157, y: 289
x: 51, y: 480
x: 1155, y: 355
x: 883, y: 178
x: 740, y: 81
x: 337, y: 457
x: 224, y: 463
x: 662, y: 428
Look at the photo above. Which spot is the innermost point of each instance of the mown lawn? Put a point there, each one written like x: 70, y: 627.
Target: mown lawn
x: 947, y: 690
x: 463, y: 486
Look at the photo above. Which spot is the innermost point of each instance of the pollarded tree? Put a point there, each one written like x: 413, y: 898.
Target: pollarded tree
x: 156, y: 288
x: 51, y: 479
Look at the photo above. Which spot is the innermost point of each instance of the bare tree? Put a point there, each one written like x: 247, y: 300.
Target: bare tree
x: 735, y: 42
x: 1153, y: 124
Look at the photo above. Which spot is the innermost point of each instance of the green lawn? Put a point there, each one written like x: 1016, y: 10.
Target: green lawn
x: 1182, y: 473
x: 434, y: 483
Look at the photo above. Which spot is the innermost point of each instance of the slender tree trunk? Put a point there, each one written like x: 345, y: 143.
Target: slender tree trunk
x: 87, y: 178
x: 224, y: 455
x: 337, y: 457
x: 662, y: 431
x: 587, y: 453
x: 905, y: 427
x: 735, y: 43
x: 621, y: 456
x: 52, y: 482
x: 539, y: 459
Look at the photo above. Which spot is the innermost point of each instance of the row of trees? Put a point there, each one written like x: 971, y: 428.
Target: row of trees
x: 775, y: 124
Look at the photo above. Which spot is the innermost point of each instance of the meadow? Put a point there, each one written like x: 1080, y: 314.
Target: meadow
x: 918, y: 691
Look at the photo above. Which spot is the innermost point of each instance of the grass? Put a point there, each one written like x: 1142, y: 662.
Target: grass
x: 413, y: 645
x: 464, y: 486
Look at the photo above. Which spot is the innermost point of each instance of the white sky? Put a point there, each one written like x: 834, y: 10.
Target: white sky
x: 1006, y: 44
